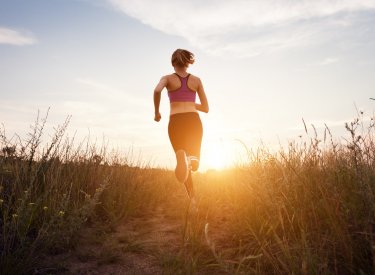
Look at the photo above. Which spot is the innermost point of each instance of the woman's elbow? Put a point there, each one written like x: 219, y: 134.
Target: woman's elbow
x: 206, y: 109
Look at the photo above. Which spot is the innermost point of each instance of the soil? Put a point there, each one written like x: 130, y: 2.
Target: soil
x: 139, y: 245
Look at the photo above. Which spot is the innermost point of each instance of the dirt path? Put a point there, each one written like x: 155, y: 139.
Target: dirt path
x: 149, y: 244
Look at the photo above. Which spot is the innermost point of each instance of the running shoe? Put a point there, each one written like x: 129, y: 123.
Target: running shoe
x: 182, y: 167
x: 193, y: 163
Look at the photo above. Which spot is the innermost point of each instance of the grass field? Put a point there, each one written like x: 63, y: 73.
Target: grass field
x: 306, y: 209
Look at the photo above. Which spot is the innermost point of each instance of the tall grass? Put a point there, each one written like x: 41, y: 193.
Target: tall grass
x: 307, y: 209
x: 50, y: 189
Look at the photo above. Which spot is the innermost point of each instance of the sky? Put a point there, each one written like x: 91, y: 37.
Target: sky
x: 265, y: 65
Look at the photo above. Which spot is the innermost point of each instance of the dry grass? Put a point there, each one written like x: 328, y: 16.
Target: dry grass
x: 308, y: 209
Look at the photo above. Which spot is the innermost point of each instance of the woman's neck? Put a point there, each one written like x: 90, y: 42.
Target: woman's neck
x: 181, y: 71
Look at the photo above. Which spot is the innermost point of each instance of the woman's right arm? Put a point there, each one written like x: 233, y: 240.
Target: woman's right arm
x: 203, y: 107
x: 157, y: 95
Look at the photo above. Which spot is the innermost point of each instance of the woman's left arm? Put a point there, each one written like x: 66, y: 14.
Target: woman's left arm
x: 157, y: 95
x: 203, y: 106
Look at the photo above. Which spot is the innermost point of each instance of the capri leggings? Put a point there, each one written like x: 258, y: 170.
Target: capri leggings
x: 185, y: 133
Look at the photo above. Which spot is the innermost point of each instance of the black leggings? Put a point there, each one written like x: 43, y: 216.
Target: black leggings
x: 185, y: 133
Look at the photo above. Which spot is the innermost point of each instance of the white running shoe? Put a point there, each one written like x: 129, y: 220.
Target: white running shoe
x: 193, y: 163
x: 182, y: 168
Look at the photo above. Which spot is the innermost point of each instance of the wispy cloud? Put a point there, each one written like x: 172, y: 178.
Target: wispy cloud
x: 329, y: 61
x: 246, y: 27
x: 103, y: 92
x: 15, y: 37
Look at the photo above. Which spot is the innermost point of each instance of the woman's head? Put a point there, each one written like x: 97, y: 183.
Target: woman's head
x: 182, y: 58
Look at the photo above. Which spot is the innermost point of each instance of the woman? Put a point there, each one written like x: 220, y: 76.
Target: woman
x: 185, y: 128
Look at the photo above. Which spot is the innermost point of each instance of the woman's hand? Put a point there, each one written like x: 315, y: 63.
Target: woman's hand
x: 157, y: 117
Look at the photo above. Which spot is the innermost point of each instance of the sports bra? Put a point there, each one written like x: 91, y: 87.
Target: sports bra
x: 184, y: 93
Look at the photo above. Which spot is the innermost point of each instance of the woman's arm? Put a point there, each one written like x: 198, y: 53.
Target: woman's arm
x: 157, y: 95
x: 203, y: 107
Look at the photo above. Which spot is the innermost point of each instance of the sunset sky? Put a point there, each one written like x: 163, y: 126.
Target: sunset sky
x: 264, y: 64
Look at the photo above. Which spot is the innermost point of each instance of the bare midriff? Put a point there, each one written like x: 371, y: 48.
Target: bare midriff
x: 182, y: 107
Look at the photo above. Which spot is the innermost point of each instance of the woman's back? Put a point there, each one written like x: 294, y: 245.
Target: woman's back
x: 174, y: 82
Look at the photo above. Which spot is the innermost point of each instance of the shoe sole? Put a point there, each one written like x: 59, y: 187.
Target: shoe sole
x: 181, y: 167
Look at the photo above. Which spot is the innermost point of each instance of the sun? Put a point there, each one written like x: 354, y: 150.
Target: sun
x: 215, y: 159
x: 217, y: 155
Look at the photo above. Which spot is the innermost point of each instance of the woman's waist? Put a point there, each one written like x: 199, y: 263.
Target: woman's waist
x: 182, y: 107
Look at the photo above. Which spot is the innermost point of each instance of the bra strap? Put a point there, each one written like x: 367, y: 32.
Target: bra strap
x: 187, y: 77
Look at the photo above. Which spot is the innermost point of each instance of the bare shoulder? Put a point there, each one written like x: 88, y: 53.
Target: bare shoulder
x: 168, y: 77
x: 165, y: 76
x: 164, y: 79
x: 195, y: 79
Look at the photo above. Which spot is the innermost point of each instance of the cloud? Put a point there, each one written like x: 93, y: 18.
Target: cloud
x: 247, y: 27
x: 329, y: 61
x: 103, y: 92
x: 14, y: 37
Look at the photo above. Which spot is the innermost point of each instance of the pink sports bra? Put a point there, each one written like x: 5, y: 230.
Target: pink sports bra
x: 184, y: 93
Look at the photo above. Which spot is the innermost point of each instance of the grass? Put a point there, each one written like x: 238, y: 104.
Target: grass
x: 306, y: 209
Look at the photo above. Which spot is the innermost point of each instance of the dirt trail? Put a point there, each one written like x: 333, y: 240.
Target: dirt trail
x: 136, y: 246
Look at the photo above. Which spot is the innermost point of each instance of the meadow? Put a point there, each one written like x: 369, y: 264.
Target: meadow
x: 306, y: 209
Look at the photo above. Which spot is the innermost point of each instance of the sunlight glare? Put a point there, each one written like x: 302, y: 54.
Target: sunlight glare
x: 218, y: 155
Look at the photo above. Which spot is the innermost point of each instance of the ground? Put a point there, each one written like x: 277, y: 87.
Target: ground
x: 153, y: 243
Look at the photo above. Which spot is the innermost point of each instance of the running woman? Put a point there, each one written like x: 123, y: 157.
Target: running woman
x: 185, y: 127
